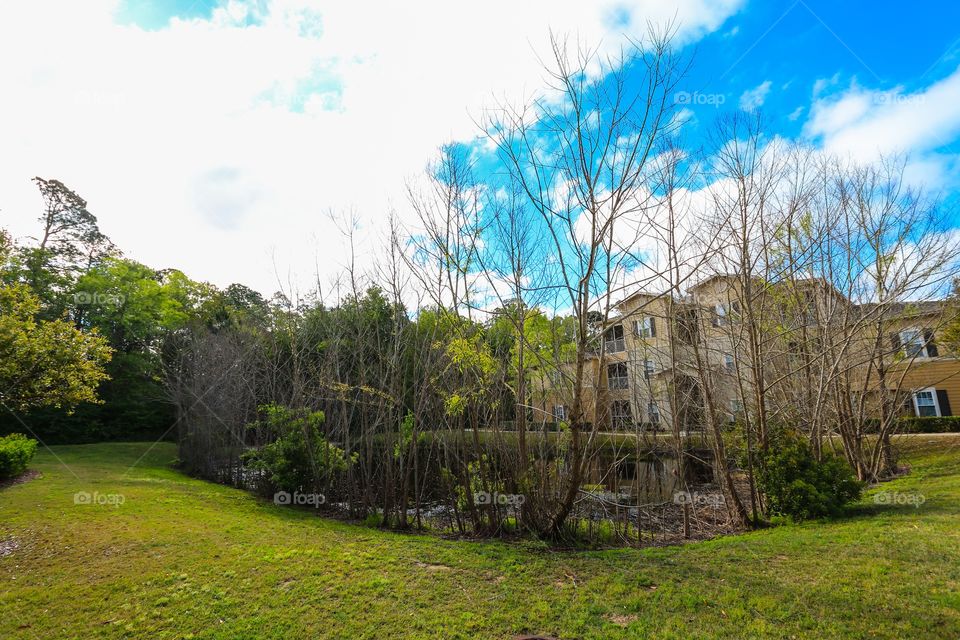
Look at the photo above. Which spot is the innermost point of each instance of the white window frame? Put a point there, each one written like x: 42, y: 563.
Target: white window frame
x: 649, y: 368
x: 919, y: 339
x: 621, y: 419
x: 916, y: 404
x: 641, y: 327
x: 729, y: 363
x: 560, y: 412
x: 653, y: 412
x: 623, y: 382
x: 614, y: 344
x: 721, y: 310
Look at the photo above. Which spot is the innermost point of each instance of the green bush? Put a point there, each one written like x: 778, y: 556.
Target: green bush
x: 298, y: 458
x: 797, y: 485
x: 16, y: 452
x: 942, y: 424
x: 913, y: 424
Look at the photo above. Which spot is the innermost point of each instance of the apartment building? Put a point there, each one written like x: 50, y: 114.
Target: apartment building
x: 637, y: 377
x: 926, y: 369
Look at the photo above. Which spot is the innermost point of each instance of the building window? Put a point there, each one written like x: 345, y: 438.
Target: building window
x: 613, y: 339
x: 925, y: 403
x: 729, y: 365
x: 736, y: 408
x: 617, y: 376
x: 916, y: 343
x: 911, y: 341
x: 620, y: 413
x: 723, y: 314
x: 645, y: 327
x: 649, y: 368
x: 653, y: 412
x: 559, y: 412
x: 720, y: 315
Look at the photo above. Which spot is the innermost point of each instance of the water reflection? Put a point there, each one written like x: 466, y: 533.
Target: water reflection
x: 642, y: 480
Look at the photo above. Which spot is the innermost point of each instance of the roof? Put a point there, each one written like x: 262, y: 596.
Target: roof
x: 910, y: 308
x: 636, y: 294
x: 715, y: 276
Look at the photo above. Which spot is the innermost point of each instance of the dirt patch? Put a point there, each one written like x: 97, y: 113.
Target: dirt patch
x: 623, y: 620
x: 8, y: 546
x: 20, y: 479
x: 433, y: 567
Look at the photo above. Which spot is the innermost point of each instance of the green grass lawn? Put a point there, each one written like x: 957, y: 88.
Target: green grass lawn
x: 182, y: 558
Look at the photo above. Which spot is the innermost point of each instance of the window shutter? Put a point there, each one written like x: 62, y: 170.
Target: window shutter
x: 908, y: 406
x: 931, y: 345
x: 895, y: 341
x: 944, y: 402
x: 653, y: 327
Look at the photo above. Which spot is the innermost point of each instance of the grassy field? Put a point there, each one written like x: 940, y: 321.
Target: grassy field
x: 181, y: 558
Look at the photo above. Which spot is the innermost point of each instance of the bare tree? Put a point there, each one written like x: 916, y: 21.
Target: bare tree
x: 581, y: 156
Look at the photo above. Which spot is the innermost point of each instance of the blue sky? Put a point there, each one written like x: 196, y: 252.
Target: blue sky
x: 218, y: 135
x: 156, y: 14
x: 879, y: 45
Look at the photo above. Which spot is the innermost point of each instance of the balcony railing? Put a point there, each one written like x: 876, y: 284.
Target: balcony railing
x: 615, y: 345
x: 618, y: 382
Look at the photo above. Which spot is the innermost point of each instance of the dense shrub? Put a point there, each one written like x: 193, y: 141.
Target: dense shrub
x: 943, y: 424
x: 913, y: 424
x: 122, y: 418
x: 797, y: 485
x: 298, y: 458
x: 16, y: 452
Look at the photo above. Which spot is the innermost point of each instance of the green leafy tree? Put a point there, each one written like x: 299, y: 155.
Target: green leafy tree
x: 69, y: 242
x: 137, y: 308
x: 132, y: 304
x: 45, y: 363
x: 70, y: 231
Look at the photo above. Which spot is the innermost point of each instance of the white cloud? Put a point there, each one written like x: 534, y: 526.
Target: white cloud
x: 683, y: 117
x: 753, y: 99
x: 217, y: 145
x: 864, y: 123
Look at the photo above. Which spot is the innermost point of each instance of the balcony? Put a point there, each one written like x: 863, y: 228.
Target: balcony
x: 615, y: 345
x: 619, y: 382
